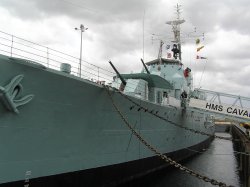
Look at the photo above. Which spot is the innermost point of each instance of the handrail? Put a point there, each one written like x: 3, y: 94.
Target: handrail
x: 14, y: 46
x: 47, y: 48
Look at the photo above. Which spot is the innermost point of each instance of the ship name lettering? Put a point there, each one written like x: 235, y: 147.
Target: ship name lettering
x: 214, y: 107
x: 246, y: 113
x: 238, y: 112
x: 235, y: 111
x: 220, y: 108
x: 229, y: 110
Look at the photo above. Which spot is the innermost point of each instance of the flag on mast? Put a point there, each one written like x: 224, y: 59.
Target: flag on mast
x: 199, y: 48
x: 197, y: 41
x: 200, y: 57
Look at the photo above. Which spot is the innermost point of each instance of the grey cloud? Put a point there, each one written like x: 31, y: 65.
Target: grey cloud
x: 116, y: 28
x: 226, y: 84
x: 105, y: 18
x: 95, y: 10
x: 227, y: 14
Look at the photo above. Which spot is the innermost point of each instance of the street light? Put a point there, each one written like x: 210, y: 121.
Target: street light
x: 82, y: 29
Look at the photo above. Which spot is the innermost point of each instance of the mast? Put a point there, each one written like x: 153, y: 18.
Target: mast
x: 176, y: 29
x: 160, y: 52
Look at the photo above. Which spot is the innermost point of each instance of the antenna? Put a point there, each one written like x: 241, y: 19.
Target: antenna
x: 143, y: 37
x: 176, y: 28
x: 178, y: 11
x: 160, y: 51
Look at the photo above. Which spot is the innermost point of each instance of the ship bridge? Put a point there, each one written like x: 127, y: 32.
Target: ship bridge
x: 221, y: 104
x: 164, y: 61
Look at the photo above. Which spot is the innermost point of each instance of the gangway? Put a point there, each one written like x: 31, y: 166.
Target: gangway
x: 221, y: 104
x: 219, y: 96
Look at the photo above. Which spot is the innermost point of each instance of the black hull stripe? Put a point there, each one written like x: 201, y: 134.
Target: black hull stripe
x: 108, y: 175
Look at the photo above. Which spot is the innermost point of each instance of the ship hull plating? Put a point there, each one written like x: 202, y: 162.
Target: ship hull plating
x: 71, y: 127
x: 110, y: 175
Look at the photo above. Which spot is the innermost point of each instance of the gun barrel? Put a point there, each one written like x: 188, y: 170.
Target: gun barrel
x: 117, y: 72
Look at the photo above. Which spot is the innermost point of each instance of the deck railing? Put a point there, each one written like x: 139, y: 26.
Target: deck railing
x: 17, y: 47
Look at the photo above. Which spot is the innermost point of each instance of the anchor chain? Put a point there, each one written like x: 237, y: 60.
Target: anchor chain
x: 175, y: 124
x: 162, y: 156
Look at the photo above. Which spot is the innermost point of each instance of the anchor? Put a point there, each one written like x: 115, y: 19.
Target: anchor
x: 9, y: 93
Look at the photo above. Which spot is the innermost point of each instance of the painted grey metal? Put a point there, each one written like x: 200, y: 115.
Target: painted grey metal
x: 9, y: 94
x: 70, y: 125
x: 117, y: 72
x: 145, y: 66
x: 65, y: 67
x: 153, y: 80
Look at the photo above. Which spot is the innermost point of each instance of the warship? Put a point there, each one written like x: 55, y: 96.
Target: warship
x: 59, y: 129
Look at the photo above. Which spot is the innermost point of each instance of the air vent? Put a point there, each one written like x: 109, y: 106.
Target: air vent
x: 66, y: 68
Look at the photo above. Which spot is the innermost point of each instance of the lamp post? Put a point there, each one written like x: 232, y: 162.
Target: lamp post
x: 82, y: 29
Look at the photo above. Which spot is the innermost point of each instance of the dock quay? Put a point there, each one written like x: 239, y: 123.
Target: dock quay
x: 241, y: 142
x: 222, y: 126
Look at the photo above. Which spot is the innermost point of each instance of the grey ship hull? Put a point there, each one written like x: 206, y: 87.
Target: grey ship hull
x: 69, y: 134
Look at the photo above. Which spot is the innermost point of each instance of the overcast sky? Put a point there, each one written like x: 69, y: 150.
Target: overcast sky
x: 116, y: 33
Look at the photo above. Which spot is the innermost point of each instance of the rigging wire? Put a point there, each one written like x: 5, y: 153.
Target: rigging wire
x: 143, y: 34
x: 202, y: 73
